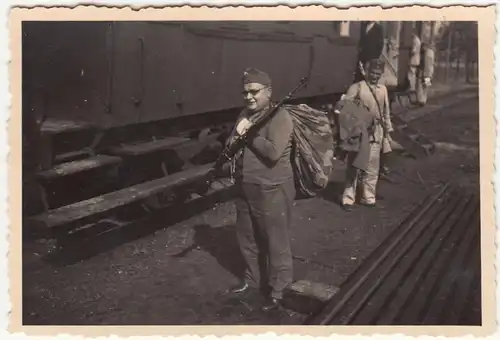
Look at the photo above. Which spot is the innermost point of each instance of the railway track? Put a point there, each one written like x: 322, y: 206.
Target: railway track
x: 426, y: 272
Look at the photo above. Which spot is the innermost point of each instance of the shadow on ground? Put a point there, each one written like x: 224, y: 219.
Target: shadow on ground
x: 333, y: 192
x: 221, y: 243
x: 106, y: 236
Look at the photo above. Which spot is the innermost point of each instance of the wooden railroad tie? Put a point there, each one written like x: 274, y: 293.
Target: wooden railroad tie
x: 426, y: 272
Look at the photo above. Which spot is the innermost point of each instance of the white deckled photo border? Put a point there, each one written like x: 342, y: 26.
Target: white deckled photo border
x: 10, y: 146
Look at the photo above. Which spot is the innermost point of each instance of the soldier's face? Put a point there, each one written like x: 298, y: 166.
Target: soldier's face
x: 256, y: 96
x: 374, y: 76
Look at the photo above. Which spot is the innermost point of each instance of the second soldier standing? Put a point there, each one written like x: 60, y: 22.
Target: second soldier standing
x: 375, y: 97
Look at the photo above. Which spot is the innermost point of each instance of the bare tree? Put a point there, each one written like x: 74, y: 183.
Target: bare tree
x: 457, y: 39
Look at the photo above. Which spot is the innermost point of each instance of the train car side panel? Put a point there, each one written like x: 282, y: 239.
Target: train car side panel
x: 148, y: 72
x: 242, y: 45
x: 66, y: 69
x: 204, y: 89
x: 165, y: 72
x: 333, y: 66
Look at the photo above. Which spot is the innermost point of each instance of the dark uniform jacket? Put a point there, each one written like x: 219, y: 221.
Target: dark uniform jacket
x: 266, y: 157
x: 371, y: 43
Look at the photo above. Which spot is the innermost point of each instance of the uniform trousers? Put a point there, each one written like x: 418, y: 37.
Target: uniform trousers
x: 367, y: 179
x: 412, y: 77
x: 421, y: 89
x: 263, y: 230
x: 416, y: 80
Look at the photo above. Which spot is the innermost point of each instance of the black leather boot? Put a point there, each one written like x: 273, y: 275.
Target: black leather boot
x: 271, y: 304
x: 239, y: 288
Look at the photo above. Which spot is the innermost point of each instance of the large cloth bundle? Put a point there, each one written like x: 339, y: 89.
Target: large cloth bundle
x: 313, y: 148
x: 354, y: 123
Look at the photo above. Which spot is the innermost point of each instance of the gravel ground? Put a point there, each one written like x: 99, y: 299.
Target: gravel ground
x: 178, y: 275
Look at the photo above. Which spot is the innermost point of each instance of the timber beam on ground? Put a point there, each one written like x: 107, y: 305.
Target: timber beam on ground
x: 426, y: 272
x: 414, y: 143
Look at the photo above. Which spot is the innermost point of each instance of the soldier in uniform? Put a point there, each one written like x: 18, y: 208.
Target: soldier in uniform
x: 415, y: 57
x: 264, y: 178
x: 425, y: 73
x: 375, y: 97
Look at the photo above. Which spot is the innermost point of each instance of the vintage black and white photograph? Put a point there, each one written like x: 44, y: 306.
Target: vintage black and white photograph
x: 251, y: 172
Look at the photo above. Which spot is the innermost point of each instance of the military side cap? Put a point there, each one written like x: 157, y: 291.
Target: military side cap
x: 253, y: 75
x: 376, y: 64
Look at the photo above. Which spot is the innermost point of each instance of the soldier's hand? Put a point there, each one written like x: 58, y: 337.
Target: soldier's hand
x: 339, y: 105
x: 427, y: 82
x: 243, y: 126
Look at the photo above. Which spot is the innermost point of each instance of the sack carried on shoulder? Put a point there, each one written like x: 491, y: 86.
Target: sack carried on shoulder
x: 313, y: 148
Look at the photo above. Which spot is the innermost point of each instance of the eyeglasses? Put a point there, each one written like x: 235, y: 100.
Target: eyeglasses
x: 253, y: 92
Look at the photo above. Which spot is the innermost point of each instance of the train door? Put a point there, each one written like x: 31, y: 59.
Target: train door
x: 203, y: 56
x: 148, y: 71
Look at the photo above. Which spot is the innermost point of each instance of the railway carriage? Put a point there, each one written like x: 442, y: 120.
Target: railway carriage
x: 114, y: 105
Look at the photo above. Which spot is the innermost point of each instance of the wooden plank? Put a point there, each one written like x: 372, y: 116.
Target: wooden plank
x: 314, y: 290
x: 74, y: 167
x: 72, y: 156
x: 412, y: 141
x: 56, y: 126
x: 147, y: 147
x: 97, y: 205
x: 307, y: 297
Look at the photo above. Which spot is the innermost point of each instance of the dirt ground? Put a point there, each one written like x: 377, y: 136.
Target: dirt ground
x: 178, y: 275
